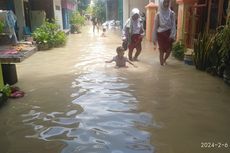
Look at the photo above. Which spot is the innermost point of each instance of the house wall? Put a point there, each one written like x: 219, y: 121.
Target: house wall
x: 67, y: 8
x: 45, y: 5
x: 112, y: 10
x: 58, y: 12
x: 3, y: 5
x: 68, y: 5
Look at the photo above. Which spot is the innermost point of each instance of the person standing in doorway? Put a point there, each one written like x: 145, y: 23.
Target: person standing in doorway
x: 133, y: 34
x: 164, y: 30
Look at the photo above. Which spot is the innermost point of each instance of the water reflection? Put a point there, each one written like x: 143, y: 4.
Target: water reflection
x: 108, y: 120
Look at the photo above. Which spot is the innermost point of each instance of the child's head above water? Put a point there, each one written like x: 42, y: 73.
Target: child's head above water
x: 120, y: 51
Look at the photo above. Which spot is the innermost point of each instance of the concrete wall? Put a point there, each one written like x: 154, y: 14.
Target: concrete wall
x: 58, y: 12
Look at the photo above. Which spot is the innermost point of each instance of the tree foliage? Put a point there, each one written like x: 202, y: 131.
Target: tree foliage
x: 82, y: 5
x: 99, y: 10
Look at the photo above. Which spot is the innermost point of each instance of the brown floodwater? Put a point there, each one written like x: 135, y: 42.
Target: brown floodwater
x: 77, y: 103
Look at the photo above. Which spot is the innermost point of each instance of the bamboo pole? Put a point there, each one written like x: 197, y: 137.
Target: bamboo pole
x: 220, y: 12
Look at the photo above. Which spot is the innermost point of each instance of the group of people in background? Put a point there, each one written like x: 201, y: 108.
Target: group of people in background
x: 164, y: 35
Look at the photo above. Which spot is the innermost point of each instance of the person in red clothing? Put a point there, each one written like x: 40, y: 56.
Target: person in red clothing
x: 133, y: 34
x: 164, y: 30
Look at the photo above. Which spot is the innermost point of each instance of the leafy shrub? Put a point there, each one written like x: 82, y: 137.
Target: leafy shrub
x: 202, y: 50
x: 224, y: 42
x: 50, y: 35
x: 76, y: 21
x: 212, y: 52
x: 6, y: 90
x: 178, y: 50
x: 1, y: 26
x: 59, y: 39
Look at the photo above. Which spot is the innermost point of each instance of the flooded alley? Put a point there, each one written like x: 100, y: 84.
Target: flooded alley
x: 77, y: 103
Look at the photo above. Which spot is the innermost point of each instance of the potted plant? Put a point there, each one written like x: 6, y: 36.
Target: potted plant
x: 224, y: 52
x: 49, y: 35
x: 76, y: 21
x: 178, y: 50
x: 4, y: 94
x: 201, y: 48
x: 41, y: 37
x: 1, y: 26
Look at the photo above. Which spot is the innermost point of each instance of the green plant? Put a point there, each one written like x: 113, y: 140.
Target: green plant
x: 83, y: 4
x: 59, y: 39
x: 1, y: 26
x: 224, y: 52
x: 99, y: 10
x: 6, y: 90
x: 212, y: 52
x: 77, y: 19
x: 206, y: 56
x: 41, y: 36
x: 178, y: 50
x: 224, y: 41
x: 50, y: 35
x: 4, y: 94
x: 201, y: 48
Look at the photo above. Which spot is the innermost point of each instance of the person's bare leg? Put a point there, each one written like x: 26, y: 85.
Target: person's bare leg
x: 131, y: 54
x: 93, y: 28
x: 166, y: 56
x: 138, y: 48
x: 161, y: 57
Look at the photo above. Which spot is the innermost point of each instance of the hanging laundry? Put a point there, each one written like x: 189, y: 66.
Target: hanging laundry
x: 9, y: 19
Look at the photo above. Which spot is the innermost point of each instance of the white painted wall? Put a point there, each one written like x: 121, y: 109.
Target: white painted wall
x: 19, y: 12
x: 58, y: 13
x: 128, y: 5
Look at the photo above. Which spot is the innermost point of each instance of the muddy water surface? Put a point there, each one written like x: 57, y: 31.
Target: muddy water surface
x: 76, y: 103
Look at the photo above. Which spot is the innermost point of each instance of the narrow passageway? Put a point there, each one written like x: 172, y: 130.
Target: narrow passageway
x: 77, y: 103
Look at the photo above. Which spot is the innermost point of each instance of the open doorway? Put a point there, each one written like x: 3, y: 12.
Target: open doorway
x: 217, y: 13
x: 27, y: 14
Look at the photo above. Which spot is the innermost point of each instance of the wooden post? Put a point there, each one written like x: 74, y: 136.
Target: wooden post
x: 228, y: 16
x: 220, y: 11
x: 193, y: 31
x: 150, y: 16
x: 185, y: 23
x: 209, y: 13
x: 1, y: 77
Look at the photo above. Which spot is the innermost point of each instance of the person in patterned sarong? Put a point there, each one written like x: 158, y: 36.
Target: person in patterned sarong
x: 133, y: 34
x: 164, y: 30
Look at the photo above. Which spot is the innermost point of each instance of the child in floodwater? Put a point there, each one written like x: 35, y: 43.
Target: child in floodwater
x: 120, y: 59
x: 103, y: 32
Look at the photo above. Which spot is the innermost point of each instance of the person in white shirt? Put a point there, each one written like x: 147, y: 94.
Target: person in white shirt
x: 164, y: 30
x: 133, y: 33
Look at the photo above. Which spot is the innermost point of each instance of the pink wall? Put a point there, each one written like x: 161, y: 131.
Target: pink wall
x: 68, y: 5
